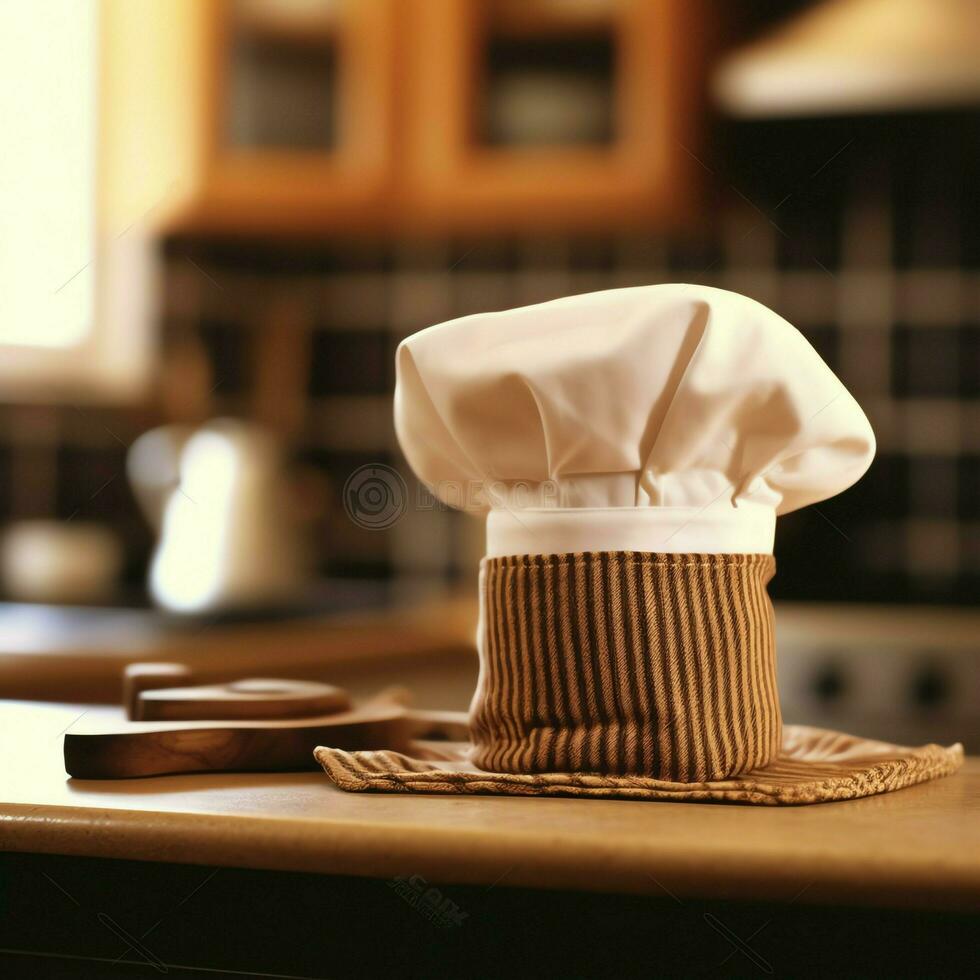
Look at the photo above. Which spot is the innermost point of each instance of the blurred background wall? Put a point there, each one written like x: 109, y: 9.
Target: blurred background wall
x: 333, y: 177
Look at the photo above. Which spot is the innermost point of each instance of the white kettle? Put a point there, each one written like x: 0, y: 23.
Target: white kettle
x: 219, y: 502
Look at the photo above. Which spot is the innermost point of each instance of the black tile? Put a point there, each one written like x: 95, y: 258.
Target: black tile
x: 484, y: 255
x: 823, y: 551
x: 965, y: 590
x: 816, y: 556
x: 933, y: 486
x: 351, y: 548
x: 926, y: 362
x: 934, y: 159
x: 694, y: 254
x: 591, y: 254
x: 968, y: 495
x: 339, y: 466
x: 276, y: 258
x: 92, y: 484
x: 354, y: 362
x: 808, y: 231
x: 970, y: 551
x: 970, y: 361
x: 934, y: 235
x: 5, y: 478
x: 883, y: 492
x: 826, y: 342
x: 336, y: 566
x: 229, y: 350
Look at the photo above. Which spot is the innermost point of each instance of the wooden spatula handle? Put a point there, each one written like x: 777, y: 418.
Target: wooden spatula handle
x: 149, y: 676
x: 164, y: 692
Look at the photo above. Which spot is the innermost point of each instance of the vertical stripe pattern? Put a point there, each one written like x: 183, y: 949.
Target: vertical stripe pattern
x: 661, y: 665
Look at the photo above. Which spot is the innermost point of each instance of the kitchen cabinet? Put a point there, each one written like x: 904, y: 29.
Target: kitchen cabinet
x: 295, y: 112
x: 484, y: 74
x: 440, y: 116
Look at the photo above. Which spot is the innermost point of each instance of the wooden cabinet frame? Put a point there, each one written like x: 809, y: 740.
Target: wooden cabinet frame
x: 293, y: 190
x: 646, y: 174
x: 407, y: 160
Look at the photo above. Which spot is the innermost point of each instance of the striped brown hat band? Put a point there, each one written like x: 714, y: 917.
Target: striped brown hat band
x: 622, y: 662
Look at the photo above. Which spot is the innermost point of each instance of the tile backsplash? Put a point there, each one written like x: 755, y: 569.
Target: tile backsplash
x: 863, y: 233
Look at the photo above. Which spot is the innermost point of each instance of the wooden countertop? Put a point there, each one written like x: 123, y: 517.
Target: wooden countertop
x: 916, y: 847
x: 49, y: 653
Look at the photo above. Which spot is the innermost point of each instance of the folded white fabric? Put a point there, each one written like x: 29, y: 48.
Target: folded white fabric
x: 668, y: 418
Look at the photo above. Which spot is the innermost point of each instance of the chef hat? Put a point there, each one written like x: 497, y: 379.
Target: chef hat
x: 631, y: 449
x: 697, y: 413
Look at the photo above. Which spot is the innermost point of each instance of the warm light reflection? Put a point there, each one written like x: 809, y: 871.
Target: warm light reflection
x: 47, y: 171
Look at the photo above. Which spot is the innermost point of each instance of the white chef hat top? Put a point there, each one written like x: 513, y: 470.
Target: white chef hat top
x: 675, y: 418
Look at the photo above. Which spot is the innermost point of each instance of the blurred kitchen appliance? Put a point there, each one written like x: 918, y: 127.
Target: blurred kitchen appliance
x: 218, y: 500
x: 907, y: 674
x: 59, y: 561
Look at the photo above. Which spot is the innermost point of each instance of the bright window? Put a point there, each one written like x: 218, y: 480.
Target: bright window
x: 77, y: 267
x: 48, y: 113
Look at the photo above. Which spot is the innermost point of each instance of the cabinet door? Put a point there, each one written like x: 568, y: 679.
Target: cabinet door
x: 297, y: 114
x: 552, y: 113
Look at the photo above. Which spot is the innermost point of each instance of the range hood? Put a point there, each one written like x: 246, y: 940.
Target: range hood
x: 851, y: 56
